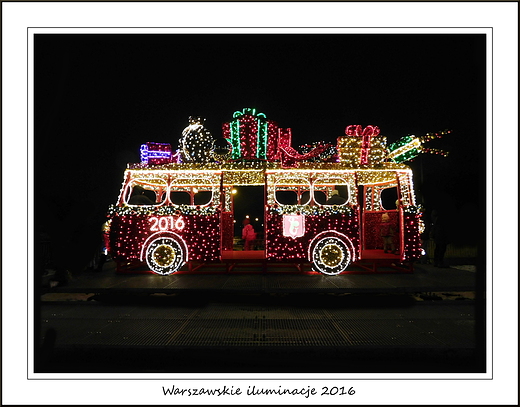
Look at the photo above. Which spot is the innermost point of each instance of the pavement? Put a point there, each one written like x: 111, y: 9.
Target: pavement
x: 280, y: 320
x: 278, y: 278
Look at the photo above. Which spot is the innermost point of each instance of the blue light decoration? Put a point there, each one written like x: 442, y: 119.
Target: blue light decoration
x: 156, y: 153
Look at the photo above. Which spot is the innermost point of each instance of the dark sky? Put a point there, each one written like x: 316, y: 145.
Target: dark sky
x: 99, y: 97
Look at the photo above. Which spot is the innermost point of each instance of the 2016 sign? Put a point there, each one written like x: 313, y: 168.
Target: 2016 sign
x: 166, y: 223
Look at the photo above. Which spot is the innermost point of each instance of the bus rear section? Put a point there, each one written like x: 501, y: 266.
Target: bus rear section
x: 388, y: 193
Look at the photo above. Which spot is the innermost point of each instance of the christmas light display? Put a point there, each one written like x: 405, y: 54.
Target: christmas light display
x: 252, y: 136
x: 407, y: 196
x: 288, y: 248
x: 331, y: 252
x: 294, y: 225
x: 244, y: 177
x: 162, y: 223
x: 329, y: 154
x: 289, y: 156
x: 196, y: 143
x: 156, y: 153
x: 361, y: 146
x: 164, y: 253
x: 191, y: 217
x: 411, y: 238
x: 221, y: 150
x: 248, y: 134
x: 409, y: 147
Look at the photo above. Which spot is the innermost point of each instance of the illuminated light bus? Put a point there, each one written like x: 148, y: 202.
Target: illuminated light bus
x: 190, y: 216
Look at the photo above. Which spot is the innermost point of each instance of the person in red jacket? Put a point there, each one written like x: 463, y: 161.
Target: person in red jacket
x: 248, y: 234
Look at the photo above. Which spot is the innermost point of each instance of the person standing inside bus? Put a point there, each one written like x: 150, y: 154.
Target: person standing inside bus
x: 387, y: 233
x: 335, y: 198
x: 248, y: 234
x: 139, y: 197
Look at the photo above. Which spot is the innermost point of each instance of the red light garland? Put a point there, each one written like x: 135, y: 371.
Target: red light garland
x: 286, y: 248
x: 166, y: 234
x: 129, y: 233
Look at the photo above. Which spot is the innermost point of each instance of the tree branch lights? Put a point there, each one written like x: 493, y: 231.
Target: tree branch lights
x: 361, y: 146
x: 196, y: 143
x: 410, y: 146
x: 430, y: 136
x: 435, y: 151
x: 156, y: 153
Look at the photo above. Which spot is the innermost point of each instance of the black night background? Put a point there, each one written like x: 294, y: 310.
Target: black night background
x: 98, y: 97
x: 86, y: 84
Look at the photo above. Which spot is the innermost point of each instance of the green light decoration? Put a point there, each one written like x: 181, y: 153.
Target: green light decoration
x: 234, y: 128
x: 250, y: 111
x: 410, y: 146
x: 261, y: 133
x: 261, y: 149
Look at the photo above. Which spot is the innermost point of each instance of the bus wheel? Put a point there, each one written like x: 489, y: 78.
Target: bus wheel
x: 165, y: 255
x: 330, y: 255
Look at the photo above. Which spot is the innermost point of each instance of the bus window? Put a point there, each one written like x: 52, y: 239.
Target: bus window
x: 305, y: 198
x: 180, y: 198
x: 292, y: 190
x: 320, y: 197
x: 202, y: 197
x: 389, y: 198
x: 323, y: 188
x: 145, y: 192
x: 195, y: 191
x: 286, y: 197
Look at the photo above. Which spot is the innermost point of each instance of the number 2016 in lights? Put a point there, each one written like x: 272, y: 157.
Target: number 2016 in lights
x: 166, y: 223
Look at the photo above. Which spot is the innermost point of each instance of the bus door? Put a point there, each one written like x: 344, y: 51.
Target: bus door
x: 227, y: 220
x: 376, y: 200
x: 248, y: 205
